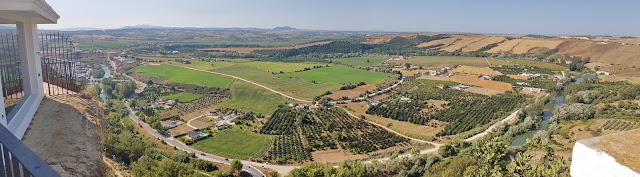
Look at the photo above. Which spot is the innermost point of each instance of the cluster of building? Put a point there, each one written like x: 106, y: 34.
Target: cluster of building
x: 225, y: 120
x: 83, y: 70
x: 307, y: 106
x: 163, y: 104
x: 529, y: 75
x: 125, y: 60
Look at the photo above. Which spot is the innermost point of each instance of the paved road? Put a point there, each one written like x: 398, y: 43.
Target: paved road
x: 202, y: 155
x: 281, y: 168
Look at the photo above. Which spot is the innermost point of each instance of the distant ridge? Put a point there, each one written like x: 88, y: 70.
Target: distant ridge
x: 283, y: 28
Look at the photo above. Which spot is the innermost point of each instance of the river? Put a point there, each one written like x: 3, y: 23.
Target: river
x: 107, y: 74
x: 559, y: 101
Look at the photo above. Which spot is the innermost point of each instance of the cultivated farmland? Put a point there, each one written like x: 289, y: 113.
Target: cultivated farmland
x: 182, y: 97
x: 442, y: 61
x: 168, y: 72
x: 339, y: 74
x: 488, y: 84
x: 360, y: 61
x: 235, y: 143
x: 485, y: 71
x: 249, y: 97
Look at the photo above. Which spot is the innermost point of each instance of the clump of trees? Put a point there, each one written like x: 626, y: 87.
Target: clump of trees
x: 574, y: 111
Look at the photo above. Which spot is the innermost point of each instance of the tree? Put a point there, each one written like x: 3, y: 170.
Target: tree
x: 236, y: 165
x: 407, y: 65
x: 205, y: 165
x: 273, y: 173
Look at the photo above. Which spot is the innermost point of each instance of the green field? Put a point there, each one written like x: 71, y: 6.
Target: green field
x: 249, y: 97
x: 339, y: 74
x: 103, y: 45
x: 235, y: 143
x: 183, y: 97
x: 550, y: 66
x: 279, y: 66
x: 186, y: 76
x: 292, y: 86
x: 442, y: 61
x: 360, y: 61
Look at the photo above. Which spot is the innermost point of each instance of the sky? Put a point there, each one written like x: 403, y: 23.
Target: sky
x: 550, y: 17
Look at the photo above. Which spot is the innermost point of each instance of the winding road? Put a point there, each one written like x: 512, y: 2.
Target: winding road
x: 249, y: 166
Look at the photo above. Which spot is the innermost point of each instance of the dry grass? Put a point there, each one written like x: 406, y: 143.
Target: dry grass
x: 334, y: 156
x: 620, y: 147
x: 505, y: 46
x: 387, y: 38
x: 618, y: 72
x: 445, y: 42
x: 352, y: 93
x: 482, y: 43
x: 180, y: 129
x: 518, y: 77
x: 437, y: 78
x: 488, y: 84
x: 250, y: 49
x: 485, y: 71
x: 482, y: 91
x: 524, y: 45
x: 464, y: 42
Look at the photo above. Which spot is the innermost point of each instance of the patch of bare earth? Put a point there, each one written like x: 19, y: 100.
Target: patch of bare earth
x: 352, y: 93
x: 67, y: 133
x: 334, y: 156
x: 487, y: 84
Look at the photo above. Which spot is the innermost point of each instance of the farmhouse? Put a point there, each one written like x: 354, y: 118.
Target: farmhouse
x: 169, y: 124
x: 522, y: 83
x: 374, y: 103
x: 407, y: 99
x: 528, y: 90
x: 485, y: 77
x: 529, y: 75
x: 433, y: 73
x: 220, y: 125
x: 192, y: 134
x: 440, y: 86
x: 602, y: 73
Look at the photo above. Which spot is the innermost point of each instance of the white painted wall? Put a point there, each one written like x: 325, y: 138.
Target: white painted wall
x: 588, y: 162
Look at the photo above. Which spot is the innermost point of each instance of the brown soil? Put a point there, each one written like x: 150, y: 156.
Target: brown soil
x: 437, y: 78
x: 485, y: 71
x: 483, y: 91
x: 352, y: 93
x: 482, y: 43
x: 180, y: 129
x: 334, y: 156
x: 464, y: 42
x: 518, y: 77
x: 445, y: 42
x: 488, y: 84
x: 67, y: 133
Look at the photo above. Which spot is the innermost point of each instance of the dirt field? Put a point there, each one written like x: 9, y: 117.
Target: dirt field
x: 483, y: 91
x: 437, y: 78
x: 485, y: 71
x: 482, y: 43
x: 361, y: 108
x: 334, y: 156
x: 463, y: 42
x: 524, y: 45
x: 250, y: 49
x: 618, y: 72
x: 67, y: 133
x: 387, y: 38
x: 445, y: 42
x: 180, y: 129
x: 488, y: 84
x: 353, y: 93
x: 518, y: 77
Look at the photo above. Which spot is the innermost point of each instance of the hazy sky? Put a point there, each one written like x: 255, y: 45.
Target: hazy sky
x: 577, y: 17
